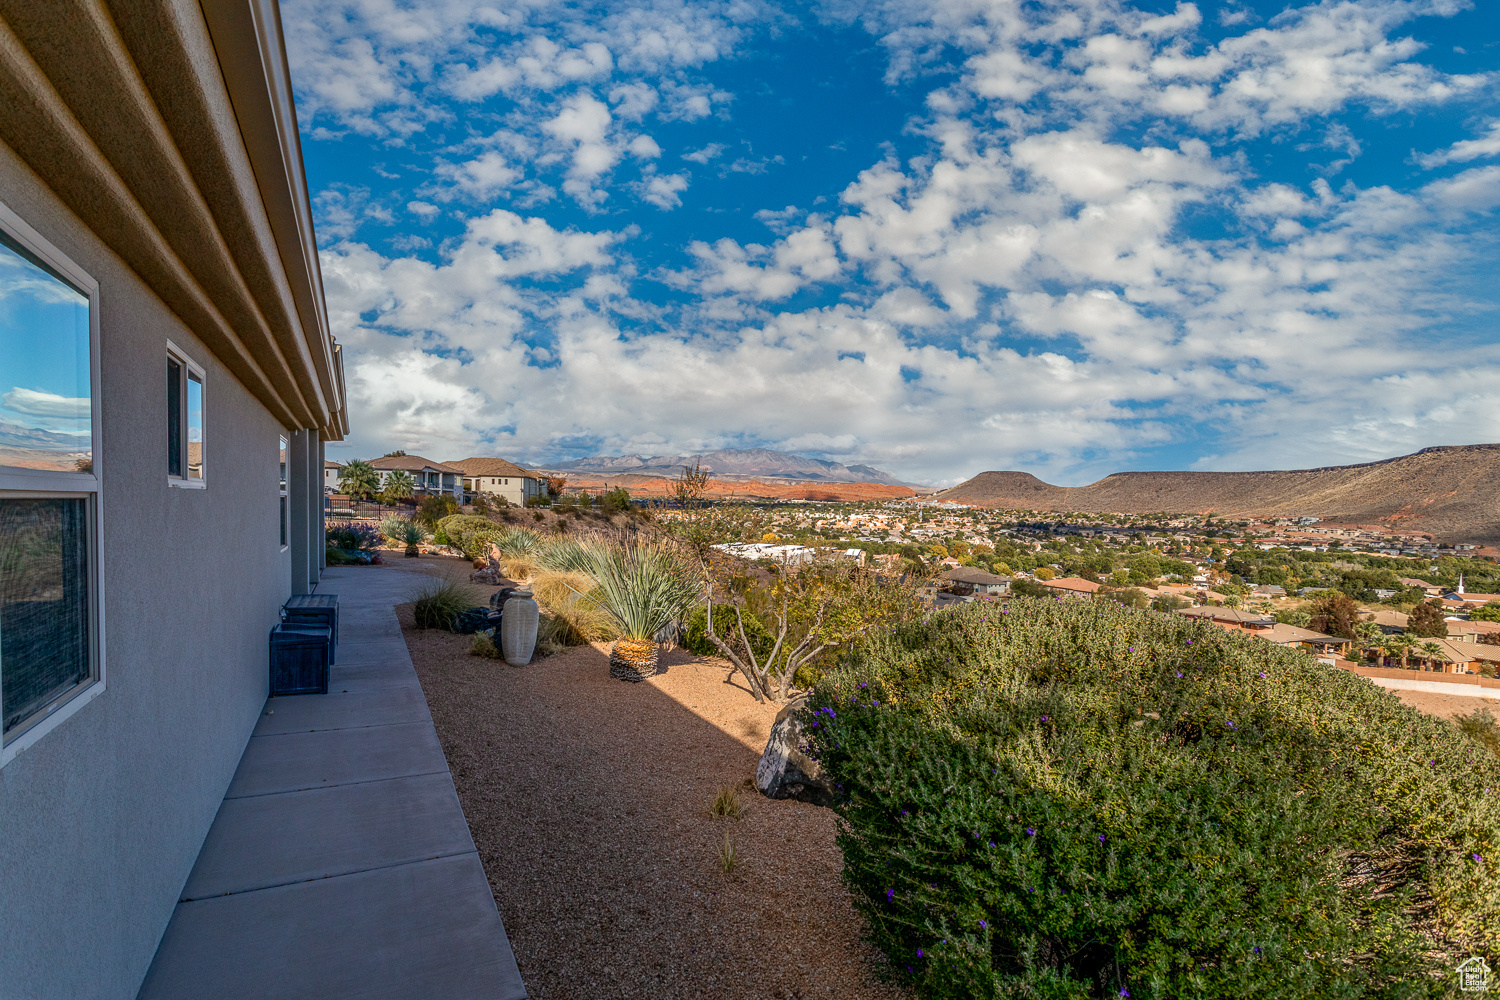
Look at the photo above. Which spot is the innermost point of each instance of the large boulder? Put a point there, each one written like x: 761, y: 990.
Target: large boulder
x: 785, y: 772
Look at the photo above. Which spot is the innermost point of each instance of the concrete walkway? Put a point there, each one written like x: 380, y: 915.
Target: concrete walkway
x: 340, y: 864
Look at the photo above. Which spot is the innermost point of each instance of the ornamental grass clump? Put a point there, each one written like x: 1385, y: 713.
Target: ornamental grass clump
x: 1070, y: 799
x: 437, y: 603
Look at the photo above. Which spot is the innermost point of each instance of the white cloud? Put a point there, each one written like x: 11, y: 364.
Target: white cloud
x: 712, y: 151
x: 663, y: 190
x: 479, y: 179
x: 46, y: 404
x: 1465, y: 150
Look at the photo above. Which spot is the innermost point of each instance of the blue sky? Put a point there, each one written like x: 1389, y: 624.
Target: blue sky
x: 1066, y: 236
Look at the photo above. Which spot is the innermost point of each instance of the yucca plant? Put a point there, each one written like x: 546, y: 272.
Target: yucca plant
x: 413, y: 534
x: 642, y: 588
x: 518, y: 542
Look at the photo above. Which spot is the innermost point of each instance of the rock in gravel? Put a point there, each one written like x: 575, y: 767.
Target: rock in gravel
x: 785, y: 772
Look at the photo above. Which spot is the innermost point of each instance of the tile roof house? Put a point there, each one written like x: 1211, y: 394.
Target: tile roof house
x: 977, y: 580
x: 1390, y: 622
x: 431, y: 477
x: 1072, y: 586
x: 497, y: 477
x: 1234, y: 616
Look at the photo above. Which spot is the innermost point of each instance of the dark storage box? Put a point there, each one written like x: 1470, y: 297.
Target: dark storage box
x: 315, y: 609
x: 299, y: 659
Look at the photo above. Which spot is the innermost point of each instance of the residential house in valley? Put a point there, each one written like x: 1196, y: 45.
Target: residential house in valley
x: 430, y: 477
x: 331, y: 473
x: 1072, y: 586
x: 495, y: 477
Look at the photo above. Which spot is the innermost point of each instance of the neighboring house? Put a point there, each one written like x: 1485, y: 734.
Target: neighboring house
x: 1270, y: 590
x: 169, y: 382
x: 430, y: 477
x: 1471, y: 631
x: 977, y: 581
x: 1072, y: 586
x: 1430, y: 589
x: 1293, y: 637
x: 1453, y: 657
x: 331, y: 473
x: 1390, y: 622
x: 1232, y: 616
x: 499, y: 478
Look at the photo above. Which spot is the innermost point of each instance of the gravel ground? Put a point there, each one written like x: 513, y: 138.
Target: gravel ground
x: 1446, y: 706
x: 589, y: 801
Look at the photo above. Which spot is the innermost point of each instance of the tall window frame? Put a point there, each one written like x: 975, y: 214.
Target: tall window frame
x: 282, y: 504
x: 87, y: 485
x: 183, y: 373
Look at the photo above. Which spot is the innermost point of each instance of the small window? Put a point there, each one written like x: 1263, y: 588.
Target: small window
x: 281, y: 494
x: 185, y: 438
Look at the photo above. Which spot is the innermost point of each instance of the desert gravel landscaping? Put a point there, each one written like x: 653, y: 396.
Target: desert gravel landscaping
x: 589, y: 801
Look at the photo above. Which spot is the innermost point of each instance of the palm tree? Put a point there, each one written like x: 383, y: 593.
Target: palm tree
x: 359, y: 479
x: 1403, y: 644
x: 399, y: 485
x: 1431, y: 650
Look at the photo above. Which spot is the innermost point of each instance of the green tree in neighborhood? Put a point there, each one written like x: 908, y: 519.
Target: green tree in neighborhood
x: 1489, y: 613
x: 1431, y: 650
x: 1427, y: 622
x: 359, y: 479
x: 1334, y: 614
x: 399, y: 485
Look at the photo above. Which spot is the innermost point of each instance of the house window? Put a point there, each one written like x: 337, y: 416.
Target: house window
x: 184, y: 420
x: 51, y: 656
x: 281, y: 494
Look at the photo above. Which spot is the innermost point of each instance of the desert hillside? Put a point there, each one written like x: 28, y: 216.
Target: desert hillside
x: 1451, y: 492
x: 660, y: 487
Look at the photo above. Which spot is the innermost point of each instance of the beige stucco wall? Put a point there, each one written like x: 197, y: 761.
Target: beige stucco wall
x: 101, y: 820
x: 515, y: 489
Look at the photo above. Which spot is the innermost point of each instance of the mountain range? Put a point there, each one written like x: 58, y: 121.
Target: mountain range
x: 1450, y: 492
x: 731, y: 464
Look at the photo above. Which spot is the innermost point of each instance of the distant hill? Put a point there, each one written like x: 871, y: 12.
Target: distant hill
x: 731, y: 465
x: 1451, y: 492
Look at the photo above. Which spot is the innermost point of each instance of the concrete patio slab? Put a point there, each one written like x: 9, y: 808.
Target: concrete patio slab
x: 371, y: 705
x: 289, y: 762
x: 340, y: 864
x: 270, y: 840
x: 411, y: 932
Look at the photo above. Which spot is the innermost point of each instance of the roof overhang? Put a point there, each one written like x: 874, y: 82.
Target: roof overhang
x: 169, y: 130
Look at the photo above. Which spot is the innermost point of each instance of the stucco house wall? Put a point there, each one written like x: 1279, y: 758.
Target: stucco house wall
x: 103, y: 816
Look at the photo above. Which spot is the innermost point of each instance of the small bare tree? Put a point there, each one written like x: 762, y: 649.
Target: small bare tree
x: 770, y: 677
x: 690, y: 486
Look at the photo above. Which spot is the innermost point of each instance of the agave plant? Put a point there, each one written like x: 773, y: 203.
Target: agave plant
x: 642, y: 589
x: 518, y: 542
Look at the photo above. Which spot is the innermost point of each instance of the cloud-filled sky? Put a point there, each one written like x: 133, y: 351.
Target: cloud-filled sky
x: 1066, y: 236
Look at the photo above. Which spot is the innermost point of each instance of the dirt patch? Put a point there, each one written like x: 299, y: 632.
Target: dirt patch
x: 588, y: 799
x: 1446, y: 706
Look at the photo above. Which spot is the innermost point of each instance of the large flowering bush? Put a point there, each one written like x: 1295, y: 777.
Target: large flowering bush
x: 1074, y: 799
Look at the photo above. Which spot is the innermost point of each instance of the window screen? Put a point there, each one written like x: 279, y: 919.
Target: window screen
x: 44, y: 603
x: 174, y: 417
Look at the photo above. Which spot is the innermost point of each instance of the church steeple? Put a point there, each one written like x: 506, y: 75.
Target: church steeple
x: 1460, y: 584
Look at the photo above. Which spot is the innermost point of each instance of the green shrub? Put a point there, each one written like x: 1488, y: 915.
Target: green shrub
x: 1071, y: 799
x: 437, y: 603
x: 434, y: 508
x: 469, y: 533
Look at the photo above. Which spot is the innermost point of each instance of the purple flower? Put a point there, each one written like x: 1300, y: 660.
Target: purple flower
x: 919, y: 953
x: 1478, y: 858
x: 983, y: 926
x: 1124, y: 992
x: 1101, y: 838
x: 890, y: 895
x: 1257, y: 949
x: 1263, y: 673
x: 1031, y: 831
x: 1179, y: 673
x: 1044, y: 718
